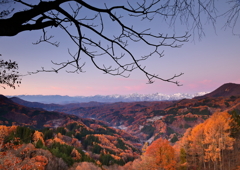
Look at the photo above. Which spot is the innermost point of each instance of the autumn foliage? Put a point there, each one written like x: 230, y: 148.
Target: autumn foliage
x: 163, y: 154
x: 207, y: 139
x: 209, y: 145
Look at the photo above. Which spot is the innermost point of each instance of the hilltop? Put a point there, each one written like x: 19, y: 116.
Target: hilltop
x: 226, y: 90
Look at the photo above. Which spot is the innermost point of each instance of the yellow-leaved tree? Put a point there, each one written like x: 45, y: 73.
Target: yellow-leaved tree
x: 206, y: 143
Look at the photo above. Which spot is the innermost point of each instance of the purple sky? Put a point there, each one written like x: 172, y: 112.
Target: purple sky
x: 206, y: 64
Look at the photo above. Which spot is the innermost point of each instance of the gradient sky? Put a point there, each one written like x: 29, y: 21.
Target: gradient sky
x: 206, y: 64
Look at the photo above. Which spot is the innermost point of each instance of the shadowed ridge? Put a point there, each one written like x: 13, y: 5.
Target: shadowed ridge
x: 34, y: 104
x: 226, y: 90
x: 4, y: 99
x: 16, y: 99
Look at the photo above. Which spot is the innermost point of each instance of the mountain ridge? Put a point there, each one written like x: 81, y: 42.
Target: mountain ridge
x: 58, y: 99
x: 225, y: 90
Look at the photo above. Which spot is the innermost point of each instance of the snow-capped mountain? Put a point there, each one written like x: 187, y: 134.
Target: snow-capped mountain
x: 108, y: 98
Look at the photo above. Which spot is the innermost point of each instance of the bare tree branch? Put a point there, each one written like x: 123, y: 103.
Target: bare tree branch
x: 48, y: 14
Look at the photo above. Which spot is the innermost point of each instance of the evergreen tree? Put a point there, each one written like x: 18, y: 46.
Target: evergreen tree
x: 183, y: 159
x: 39, y: 144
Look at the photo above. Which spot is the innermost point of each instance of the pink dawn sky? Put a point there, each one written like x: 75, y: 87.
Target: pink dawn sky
x: 207, y: 64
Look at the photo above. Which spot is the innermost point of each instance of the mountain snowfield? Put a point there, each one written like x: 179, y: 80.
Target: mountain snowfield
x: 108, y: 98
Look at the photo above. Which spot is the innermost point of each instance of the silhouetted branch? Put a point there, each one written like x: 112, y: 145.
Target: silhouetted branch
x: 92, y: 36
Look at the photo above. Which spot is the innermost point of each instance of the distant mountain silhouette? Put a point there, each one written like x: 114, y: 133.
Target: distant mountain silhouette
x: 35, y: 104
x: 226, y: 90
x: 134, y: 97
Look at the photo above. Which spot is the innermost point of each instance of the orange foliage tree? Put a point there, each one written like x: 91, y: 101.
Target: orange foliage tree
x: 38, y: 136
x: 206, y: 143
x: 217, y: 138
x: 163, y: 154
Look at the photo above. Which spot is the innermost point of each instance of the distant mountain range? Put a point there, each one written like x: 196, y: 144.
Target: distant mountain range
x: 107, y: 98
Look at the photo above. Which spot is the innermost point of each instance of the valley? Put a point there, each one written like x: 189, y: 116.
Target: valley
x: 106, y: 134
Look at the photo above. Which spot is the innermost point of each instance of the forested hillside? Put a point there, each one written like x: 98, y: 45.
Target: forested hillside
x: 188, y: 134
x: 213, y: 144
x: 50, y: 148
x: 151, y: 120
